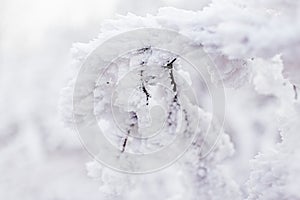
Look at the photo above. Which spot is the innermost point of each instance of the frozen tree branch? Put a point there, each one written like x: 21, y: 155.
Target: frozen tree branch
x: 241, y: 42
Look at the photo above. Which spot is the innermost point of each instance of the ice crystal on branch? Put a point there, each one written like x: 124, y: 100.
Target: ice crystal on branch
x: 255, y: 46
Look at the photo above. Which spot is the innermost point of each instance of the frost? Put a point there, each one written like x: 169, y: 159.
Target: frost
x: 136, y: 85
x: 275, y: 174
x: 255, y: 47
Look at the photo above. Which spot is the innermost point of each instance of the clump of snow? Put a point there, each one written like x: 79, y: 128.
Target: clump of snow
x: 255, y: 47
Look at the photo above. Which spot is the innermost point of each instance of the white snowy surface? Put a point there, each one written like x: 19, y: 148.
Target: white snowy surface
x: 256, y: 48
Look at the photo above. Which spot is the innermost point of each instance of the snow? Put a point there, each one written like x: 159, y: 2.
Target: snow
x: 255, y: 46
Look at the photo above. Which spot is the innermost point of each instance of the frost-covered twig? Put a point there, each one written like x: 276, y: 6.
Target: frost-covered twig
x: 244, y: 35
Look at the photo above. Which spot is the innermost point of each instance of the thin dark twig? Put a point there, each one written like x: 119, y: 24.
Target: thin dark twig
x: 170, y: 67
x: 295, y: 90
x: 175, y: 104
x: 144, y: 89
x: 175, y: 99
x: 125, y: 142
x: 132, y: 125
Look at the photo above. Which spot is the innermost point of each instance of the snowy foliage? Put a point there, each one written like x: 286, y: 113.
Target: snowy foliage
x: 137, y: 82
x: 255, y: 46
x: 275, y: 174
